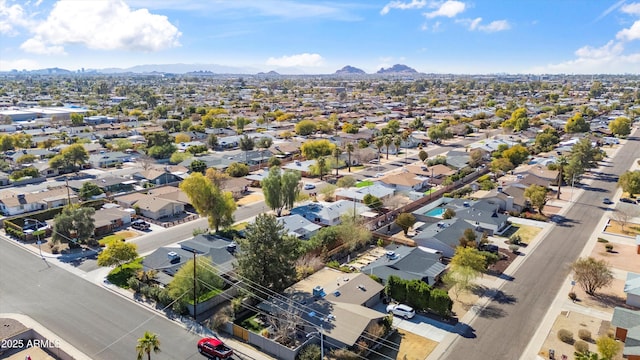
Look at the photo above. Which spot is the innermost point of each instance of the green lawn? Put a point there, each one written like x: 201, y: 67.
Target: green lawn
x: 364, y: 183
x: 430, y: 191
x: 121, y: 274
x: 252, y: 325
x: 526, y: 232
x: 107, y: 239
x: 240, y: 226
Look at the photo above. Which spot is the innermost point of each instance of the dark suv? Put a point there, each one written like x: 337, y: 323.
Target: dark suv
x: 140, y: 225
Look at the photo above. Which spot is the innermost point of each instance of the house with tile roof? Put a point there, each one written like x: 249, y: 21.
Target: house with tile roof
x: 407, y: 263
x: 627, y: 324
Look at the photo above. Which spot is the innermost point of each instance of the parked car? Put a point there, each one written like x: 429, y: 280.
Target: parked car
x: 309, y: 186
x: 401, y: 310
x: 140, y: 225
x: 214, y: 348
x: 607, y: 201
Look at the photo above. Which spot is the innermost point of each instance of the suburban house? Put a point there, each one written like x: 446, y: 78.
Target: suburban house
x: 405, y: 181
x: 303, y: 166
x: 160, y: 176
x: 329, y: 213
x: 407, y: 263
x: 171, y: 193
x: 632, y: 289
x: 627, y: 324
x: 108, y: 159
x: 220, y: 250
x: 157, y: 208
x: 339, y: 302
x: 458, y: 159
x: 299, y: 226
x: 444, y: 236
x: 378, y: 190
x: 108, y: 184
x: 548, y: 176
x: 167, y: 261
x: 15, y: 202
x: 107, y: 220
x: 484, y: 216
x: 236, y: 186
x: 508, y: 198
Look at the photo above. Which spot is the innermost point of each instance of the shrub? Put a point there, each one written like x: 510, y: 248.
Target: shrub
x: 515, y: 239
x: 310, y: 352
x: 601, y: 240
x: 565, y: 336
x: 573, y: 296
x: 584, y: 334
x: 581, y: 346
x: 514, y: 248
x: 609, y: 247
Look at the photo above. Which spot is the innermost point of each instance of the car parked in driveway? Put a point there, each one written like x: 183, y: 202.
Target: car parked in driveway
x: 402, y: 310
x: 309, y: 186
x: 140, y: 225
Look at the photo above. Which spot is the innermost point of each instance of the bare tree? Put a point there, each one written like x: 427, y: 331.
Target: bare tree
x: 146, y: 162
x: 623, y: 215
x: 284, y: 323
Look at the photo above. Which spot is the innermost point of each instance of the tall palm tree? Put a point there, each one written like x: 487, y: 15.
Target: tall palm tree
x: 562, y: 161
x: 379, y: 144
x: 336, y: 153
x: 149, y: 342
x: 350, y: 148
x: 321, y: 162
x: 388, y: 140
x: 397, y: 141
x: 405, y: 137
x: 246, y: 145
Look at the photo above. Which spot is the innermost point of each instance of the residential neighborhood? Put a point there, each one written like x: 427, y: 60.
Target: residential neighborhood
x: 294, y: 215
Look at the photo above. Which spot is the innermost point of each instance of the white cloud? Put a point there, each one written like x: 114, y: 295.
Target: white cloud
x: 611, y: 8
x: 12, y: 17
x: 449, y: 8
x: 20, y: 64
x: 610, y: 49
x: 632, y: 33
x: 303, y: 60
x: 633, y: 9
x: 37, y: 46
x: 414, y: 4
x: 606, y: 59
x: 476, y: 25
x: 104, y: 25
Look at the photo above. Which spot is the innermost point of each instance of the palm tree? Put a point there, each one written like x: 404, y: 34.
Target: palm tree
x: 336, y: 153
x: 321, y: 162
x: 149, y: 342
x: 405, y: 137
x: 379, y: 144
x: 562, y: 161
x: 397, y: 141
x: 388, y: 140
x: 246, y: 145
x: 264, y: 143
x: 349, y: 148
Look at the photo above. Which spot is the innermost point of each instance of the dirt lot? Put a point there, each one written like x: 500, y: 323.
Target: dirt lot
x: 573, y: 322
x: 251, y: 198
x: 630, y: 229
x: 622, y: 257
x: 409, y: 346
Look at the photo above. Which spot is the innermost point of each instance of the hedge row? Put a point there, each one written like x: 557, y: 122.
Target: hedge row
x: 419, y: 295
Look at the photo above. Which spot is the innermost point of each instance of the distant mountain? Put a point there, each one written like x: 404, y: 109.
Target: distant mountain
x: 270, y: 73
x: 49, y: 71
x: 350, y: 70
x: 180, y: 69
x: 397, y: 69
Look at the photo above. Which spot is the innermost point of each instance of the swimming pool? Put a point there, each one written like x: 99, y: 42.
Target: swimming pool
x: 437, y: 212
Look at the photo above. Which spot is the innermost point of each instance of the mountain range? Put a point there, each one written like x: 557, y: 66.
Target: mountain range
x: 203, y: 69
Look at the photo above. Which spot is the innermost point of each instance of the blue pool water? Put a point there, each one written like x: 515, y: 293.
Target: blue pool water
x: 435, y: 212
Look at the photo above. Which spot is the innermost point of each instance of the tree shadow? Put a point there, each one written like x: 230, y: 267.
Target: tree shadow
x: 489, y: 311
x: 501, y: 298
x: 465, y: 331
x: 560, y: 220
x: 609, y: 300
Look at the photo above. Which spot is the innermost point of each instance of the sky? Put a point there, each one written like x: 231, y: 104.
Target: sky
x: 320, y: 37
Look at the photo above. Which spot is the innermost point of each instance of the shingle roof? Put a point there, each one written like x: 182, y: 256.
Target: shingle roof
x: 632, y: 285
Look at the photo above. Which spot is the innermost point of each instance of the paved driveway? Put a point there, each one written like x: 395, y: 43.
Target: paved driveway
x: 421, y: 325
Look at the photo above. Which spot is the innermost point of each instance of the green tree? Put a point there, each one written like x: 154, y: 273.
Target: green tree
x: 280, y: 189
x: 583, y: 156
x: 469, y: 257
x: 77, y: 119
x: 516, y: 154
x: 122, y: 144
x: 267, y: 255
x: 439, y: 132
x: 74, y: 224
x: 346, y: 181
x: 305, y: 127
x: 379, y: 143
x: 518, y: 120
x: 501, y: 165
x: 88, y: 190
x: 320, y: 167
x: 146, y: 344
x: 6, y: 143
x: 629, y: 181
x: 351, y: 232
x: 336, y: 154
x: 423, y: 155
x: 537, y: 196
x: 621, y: 126
x: 387, y: 140
x: 246, y: 145
x: 349, y: 148
x: 212, y: 141
x: 273, y: 161
x: 198, y: 166
x: 561, y: 162
x: 117, y: 253
x: 405, y: 221
x: 317, y: 148
x: 264, y: 143
x: 70, y: 158
x: 209, y: 200
x: 476, y: 157
x: 240, y: 123
x: 372, y: 201
x: 576, y: 124
x: 607, y: 347
x: 468, y: 238
x: 460, y: 279
x: 547, y: 139
x: 26, y: 159
x: 397, y: 141
x: 237, y: 169
x: 592, y: 274
x: 207, y: 279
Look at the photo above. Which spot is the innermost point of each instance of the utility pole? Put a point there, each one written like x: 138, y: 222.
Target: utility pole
x: 195, y: 293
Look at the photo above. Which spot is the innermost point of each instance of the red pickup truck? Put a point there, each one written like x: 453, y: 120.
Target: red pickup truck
x: 214, y: 349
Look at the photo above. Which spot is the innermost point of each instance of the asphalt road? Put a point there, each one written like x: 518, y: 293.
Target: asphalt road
x: 99, y: 323
x: 504, y: 328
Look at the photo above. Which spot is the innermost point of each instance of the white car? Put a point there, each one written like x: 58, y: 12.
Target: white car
x: 401, y: 310
x: 308, y: 186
